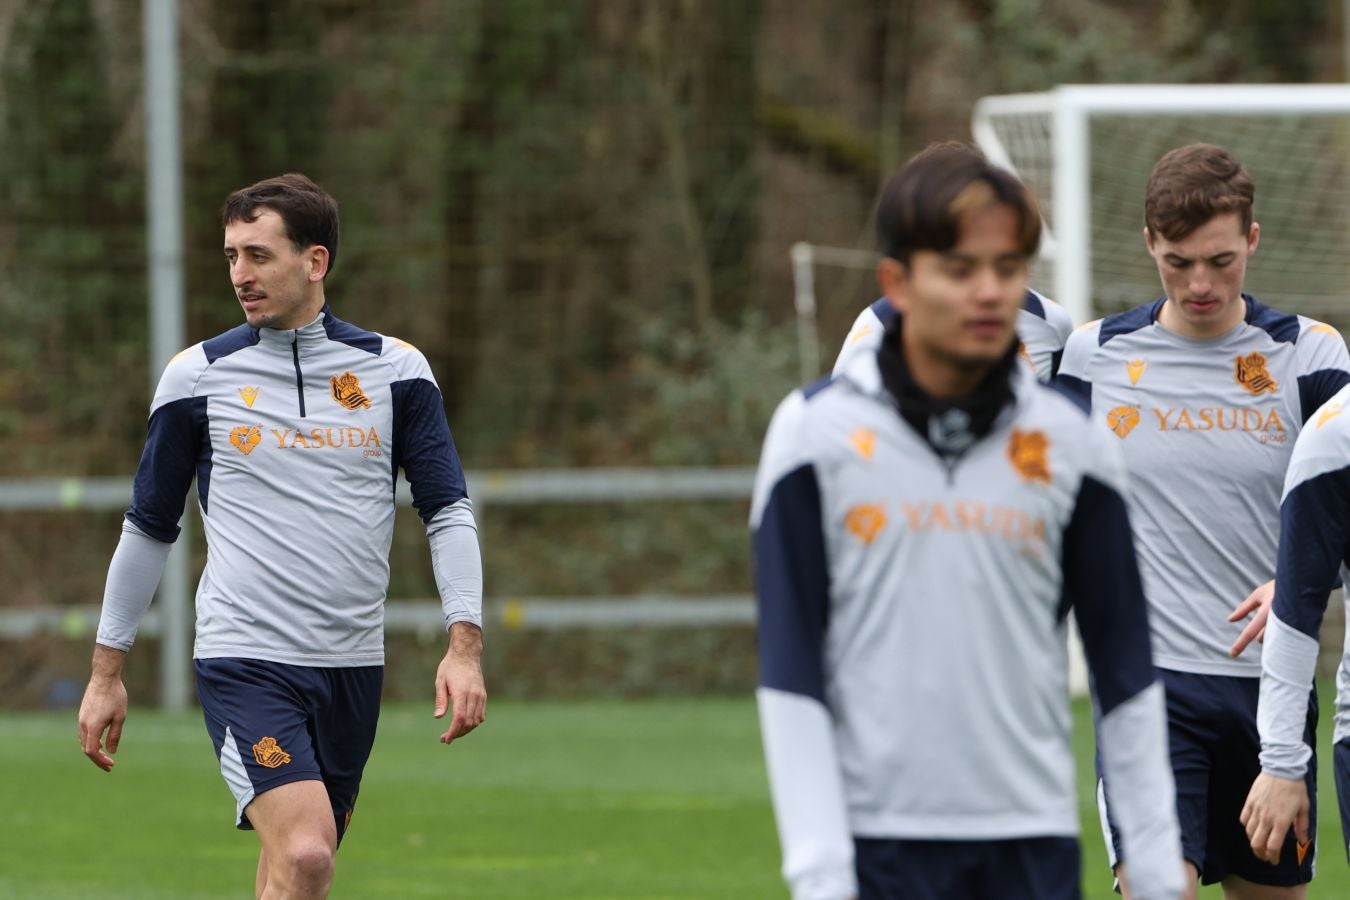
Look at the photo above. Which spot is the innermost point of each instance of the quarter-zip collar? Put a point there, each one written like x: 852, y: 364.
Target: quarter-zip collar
x: 950, y: 427
x: 301, y: 339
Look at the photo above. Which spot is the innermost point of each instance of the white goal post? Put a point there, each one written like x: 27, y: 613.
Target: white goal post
x: 1086, y: 151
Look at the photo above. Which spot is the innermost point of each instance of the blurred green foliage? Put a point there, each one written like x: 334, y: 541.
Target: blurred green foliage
x: 580, y: 211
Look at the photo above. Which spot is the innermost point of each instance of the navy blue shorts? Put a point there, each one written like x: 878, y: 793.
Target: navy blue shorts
x: 1341, y: 753
x: 273, y: 724
x: 1044, y: 868
x: 1215, y: 749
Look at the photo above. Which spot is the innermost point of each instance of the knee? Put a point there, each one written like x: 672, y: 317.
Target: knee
x: 310, y: 864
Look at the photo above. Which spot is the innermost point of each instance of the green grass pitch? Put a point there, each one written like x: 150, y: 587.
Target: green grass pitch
x: 644, y: 799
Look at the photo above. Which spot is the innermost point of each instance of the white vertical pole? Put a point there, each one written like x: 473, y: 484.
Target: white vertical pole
x: 1073, y: 219
x: 164, y: 205
x: 804, y: 298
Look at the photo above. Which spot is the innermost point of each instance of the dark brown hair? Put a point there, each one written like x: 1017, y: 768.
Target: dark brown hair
x: 1191, y: 185
x: 309, y: 215
x: 923, y: 206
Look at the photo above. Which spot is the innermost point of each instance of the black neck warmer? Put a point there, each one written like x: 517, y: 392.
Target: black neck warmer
x: 949, y: 426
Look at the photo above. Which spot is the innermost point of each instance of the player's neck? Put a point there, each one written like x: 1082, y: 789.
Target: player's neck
x: 1171, y: 318
x: 938, y: 376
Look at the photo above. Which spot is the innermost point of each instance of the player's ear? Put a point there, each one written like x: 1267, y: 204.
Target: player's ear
x: 893, y: 279
x: 1148, y: 240
x: 318, y: 262
x: 1253, y: 237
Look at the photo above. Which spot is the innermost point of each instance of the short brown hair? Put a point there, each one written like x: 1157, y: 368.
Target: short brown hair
x: 310, y: 215
x: 923, y: 206
x: 1191, y: 185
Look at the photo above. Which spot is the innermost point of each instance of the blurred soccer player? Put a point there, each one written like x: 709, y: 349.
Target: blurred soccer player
x: 1042, y: 328
x: 923, y: 524
x: 1314, y: 545
x: 295, y: 425
x: 1205, y: 390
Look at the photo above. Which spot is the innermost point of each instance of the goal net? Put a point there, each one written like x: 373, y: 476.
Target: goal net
x: 1087, y: 152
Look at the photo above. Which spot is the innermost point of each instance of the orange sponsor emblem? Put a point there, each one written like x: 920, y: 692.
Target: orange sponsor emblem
x: 864, y: 440
x: 1135, y: 368
x: 1028, y: 451
x: 1250, y: 372
x: 246, y: 437
x: 347, y: 391
x: 1329, y: 412
x: 1122, y: 420
x: 268, y: 753
x: 865, y: 521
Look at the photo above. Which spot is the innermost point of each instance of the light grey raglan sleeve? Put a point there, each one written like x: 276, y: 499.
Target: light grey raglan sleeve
x: 864, y: 337
x: 792, y: 593
x: 1102, y: 582
x: 1314, y: 544
x: 159, y: 491
x: 425, y: 451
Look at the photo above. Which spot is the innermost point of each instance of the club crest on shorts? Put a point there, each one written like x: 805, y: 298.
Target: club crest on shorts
x: 1122, y: 420
x: 1250, y: 371
x: 1029, y: 453
x: 347, y: 391
x: 268, y: 753
x: 245, y: 437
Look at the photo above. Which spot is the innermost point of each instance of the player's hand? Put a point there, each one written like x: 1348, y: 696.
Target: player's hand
x: 1258, y: 601
x: 1273, y: 805
x: 104, y: 708
x: 459, y: 682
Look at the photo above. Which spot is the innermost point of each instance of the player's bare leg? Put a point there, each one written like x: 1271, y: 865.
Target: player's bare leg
x: 1235, y: 888
x: 295, y: 824
x: 1190, y: 892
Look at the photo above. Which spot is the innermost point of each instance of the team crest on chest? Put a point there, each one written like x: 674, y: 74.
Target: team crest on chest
x: 248, y: 395
x: 1122, y: 420
x: 1250, y: 371
x: 1029, y: 453
x: 347, y: 391
x: 1329, y: 412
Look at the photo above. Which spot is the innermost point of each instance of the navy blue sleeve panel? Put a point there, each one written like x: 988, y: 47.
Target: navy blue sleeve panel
x: 228, y: 342
x: 173, y: 445
x: 1283, y: 327
x: 884, y: 311
x: 1055, y: 359
x: 349, y: 334
x: 424, y: 449
x: 1032, y: 304
x: 1102, y: 584
x: 1318, y: 387
x: 792, y: 587
x: 1314, y: 541
x: 1077, y: 389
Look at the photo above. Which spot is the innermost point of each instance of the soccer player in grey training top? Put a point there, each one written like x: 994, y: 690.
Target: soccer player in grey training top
x: 295, y: 425
x: 1314, y: 548
x: 924, y: 523
x: 1205, y: 390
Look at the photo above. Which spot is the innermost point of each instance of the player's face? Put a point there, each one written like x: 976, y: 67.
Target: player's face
x: 960, y: 306
x: 1202, y: 275
x: 278, y: 286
